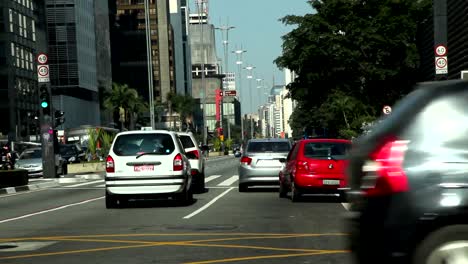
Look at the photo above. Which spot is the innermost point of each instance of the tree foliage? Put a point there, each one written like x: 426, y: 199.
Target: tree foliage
x: 183, y: 105
x: 351, y: 58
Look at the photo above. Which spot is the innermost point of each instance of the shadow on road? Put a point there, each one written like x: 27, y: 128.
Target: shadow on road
x: 321, y: 199
x: 152, y: 203
x: 262, y: 189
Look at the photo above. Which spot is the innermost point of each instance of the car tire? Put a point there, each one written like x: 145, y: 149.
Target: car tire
x: 283, y: 192
x: 243, y: 187
x: 185, y: 197
x: 444, y: 237
x: 200, y: 183
x: 295, y: 194
x: 111, y: 201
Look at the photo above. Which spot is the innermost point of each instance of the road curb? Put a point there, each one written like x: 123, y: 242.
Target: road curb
x: 29, y: 187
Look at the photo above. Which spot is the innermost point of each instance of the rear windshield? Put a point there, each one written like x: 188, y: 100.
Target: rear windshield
x: 134, y: 144
x: 258, y: 147
x: 186, y: 142
x: 326, y: 150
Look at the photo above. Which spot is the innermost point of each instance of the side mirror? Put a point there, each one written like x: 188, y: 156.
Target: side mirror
x: 282, y: 160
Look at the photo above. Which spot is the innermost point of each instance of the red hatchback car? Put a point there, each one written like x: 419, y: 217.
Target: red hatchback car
x: 315, y: 166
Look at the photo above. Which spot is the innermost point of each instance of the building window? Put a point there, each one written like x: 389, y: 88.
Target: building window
x: 25, y: 28
x: 33, y: 30
x: 11, y: 20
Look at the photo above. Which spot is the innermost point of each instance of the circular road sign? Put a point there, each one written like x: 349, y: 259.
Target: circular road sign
x: 441, y: 50
x: 43, y: 71
x: 42, y: 58
x: 387, y: 110
x: 441, y: 62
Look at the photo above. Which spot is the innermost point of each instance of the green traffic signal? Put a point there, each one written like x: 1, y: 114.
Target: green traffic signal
x: 44, y: 104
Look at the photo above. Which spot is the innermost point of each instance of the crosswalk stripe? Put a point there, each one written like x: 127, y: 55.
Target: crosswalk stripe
x: 85, y: 183
x: 229, y: 181
x: 212, y: 177
x: 100, y: 186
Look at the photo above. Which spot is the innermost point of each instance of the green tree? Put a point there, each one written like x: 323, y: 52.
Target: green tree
x: 125, y: 101
x: 351, y: 54
x: 183, y: 105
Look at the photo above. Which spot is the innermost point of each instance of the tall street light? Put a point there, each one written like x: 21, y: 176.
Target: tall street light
x: 250, y: 77
x: 150, y: 64
x: 200, y: 9
x: 225, y: 29
x: 239, y: 62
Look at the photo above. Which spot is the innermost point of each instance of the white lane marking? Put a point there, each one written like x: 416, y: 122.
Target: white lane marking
x: 100, y: 186
x: 85, y: 183
x: 346, y: 206
x: 229, y: 181
x: 208, y: 204
x: 50, y: 210
x: 212, y: 177
x: 10, y: 190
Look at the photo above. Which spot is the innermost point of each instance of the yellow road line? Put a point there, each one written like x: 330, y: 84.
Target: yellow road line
x: 101, y: 240
x: 251, y: 247
x: 267, y: 257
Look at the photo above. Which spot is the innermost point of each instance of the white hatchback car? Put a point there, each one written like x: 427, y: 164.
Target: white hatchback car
x: 196, y: 158
x: 147, y: 163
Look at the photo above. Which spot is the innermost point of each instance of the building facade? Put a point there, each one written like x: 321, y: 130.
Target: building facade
x: 22, y: 37
x: 73, y: 60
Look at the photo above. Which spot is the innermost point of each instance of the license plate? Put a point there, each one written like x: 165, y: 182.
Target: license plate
x: 331, y: 182
x: 141, y: 168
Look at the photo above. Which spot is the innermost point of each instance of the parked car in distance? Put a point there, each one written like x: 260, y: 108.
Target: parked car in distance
x: 71, y: 153
x: 260, y: 162
x: 314, y: 166
x: 196, y: 158
x: 409, y: 181
x: 147, y: 164
x: 31, y: 160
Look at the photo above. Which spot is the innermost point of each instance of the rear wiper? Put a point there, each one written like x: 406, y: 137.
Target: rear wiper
x: 147, y: 153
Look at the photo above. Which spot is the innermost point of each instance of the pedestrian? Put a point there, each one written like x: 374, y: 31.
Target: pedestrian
x: 7, y: 161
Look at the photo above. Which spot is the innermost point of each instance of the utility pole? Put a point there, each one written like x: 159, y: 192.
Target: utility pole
x: 200, y: 5
x: 250, y: 77
x: 149, y: 59
x: 225, y: 29
x: 239, y: 62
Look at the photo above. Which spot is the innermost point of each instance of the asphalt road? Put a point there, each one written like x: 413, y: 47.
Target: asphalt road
x: 69, y: 224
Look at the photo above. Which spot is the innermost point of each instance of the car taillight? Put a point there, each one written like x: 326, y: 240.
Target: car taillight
x: 246, y: 160
x: 302, y: 166
x: 384, y: 174
x: 178, y: 163
x: 110, y: 165
x: 197, y: 154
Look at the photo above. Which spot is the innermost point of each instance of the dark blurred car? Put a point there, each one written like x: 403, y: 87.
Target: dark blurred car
x: 314, y: 166
x: 409, y: 181
x: 71, y: 153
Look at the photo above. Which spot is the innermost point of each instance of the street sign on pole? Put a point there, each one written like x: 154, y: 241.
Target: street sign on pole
x: 43, y: 73
x: 42, y: 58
x: 441, y: 50
x: 387, y: 110
x: 441, y: 65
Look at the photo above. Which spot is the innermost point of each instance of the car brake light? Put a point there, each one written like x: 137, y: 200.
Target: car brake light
x: 197, y: 154
x: 384, y: 174
x: 110, y: 165
x: 246, y: 160
x: 178, y: 163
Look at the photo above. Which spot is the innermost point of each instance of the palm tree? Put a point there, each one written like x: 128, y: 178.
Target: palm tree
x: 124, y: 99
x: 181, y: 104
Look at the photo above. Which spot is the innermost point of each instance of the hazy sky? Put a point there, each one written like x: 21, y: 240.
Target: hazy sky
x: 258, y: 30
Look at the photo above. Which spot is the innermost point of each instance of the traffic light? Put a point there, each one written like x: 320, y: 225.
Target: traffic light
x: 59, y: 117
x: 44, y: 98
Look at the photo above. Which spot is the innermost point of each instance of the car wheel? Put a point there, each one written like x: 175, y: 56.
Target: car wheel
x: 200, y: 184
x: 295, y: 194
x: 185, y: 197
x: 446, y: 245
x: 283, y: 192
x: 111, y: 201
x: 243, y: 187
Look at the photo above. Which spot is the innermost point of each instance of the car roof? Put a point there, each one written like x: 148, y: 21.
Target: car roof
x: 135, y: 132
x: 184, y: 133
x: 269, y: 140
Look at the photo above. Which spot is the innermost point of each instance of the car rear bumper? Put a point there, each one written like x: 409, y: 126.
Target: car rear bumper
x: 258, y: 175
x: 322, y: 181
x: 126, y: 185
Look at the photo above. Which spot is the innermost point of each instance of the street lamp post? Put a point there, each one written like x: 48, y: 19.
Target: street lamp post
x: 250, y: 77
x: 203, y: 88
x: 239, y: 62
x: 225, y: 29
x: 150, y: 63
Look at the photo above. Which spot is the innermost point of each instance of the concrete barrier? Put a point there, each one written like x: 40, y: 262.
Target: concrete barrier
x: 86, y: 167
x: 13, y: 178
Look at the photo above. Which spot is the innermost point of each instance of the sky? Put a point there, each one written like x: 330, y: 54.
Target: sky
x: 259, y: 31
